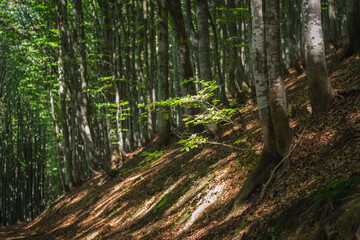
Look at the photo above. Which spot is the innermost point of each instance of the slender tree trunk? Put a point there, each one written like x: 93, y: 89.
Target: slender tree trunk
x: 57, y: 141
x: 291, y: 22
x: 204, y: 40
x: 232, y: 50
x: 119, y: 94
x: 185, y: 71
x: 81, y: 93
x: 320, y: 89
x: 194, y: 37
x: 163, y: 81
x: 221, y: 81
x: 353, y: 25
x: 278, y: 106
x: 149, y: 74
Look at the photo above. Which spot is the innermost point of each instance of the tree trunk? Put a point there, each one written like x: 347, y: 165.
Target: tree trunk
x: 320, y: 89
x: 204, y: 40
x: 266, y: 161
x: 279, y: 113
x: 221, y: 81
x: 57, y: 141
x: 293, y: 54
x: 194, y: 37
x: 163, y: 72
x: 270, y: 94
x: 353, y: 24
x: 185, y: 70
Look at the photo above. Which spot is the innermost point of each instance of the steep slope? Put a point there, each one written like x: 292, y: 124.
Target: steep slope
x: 188, y: 195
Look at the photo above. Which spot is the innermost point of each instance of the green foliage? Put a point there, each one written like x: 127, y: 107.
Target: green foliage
x: 210, y: 113
x: 240, y: 141
x: 192, y: 142
x: 152, y: 157
x: 242, y: 227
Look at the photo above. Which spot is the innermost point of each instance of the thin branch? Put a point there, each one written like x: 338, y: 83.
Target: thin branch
x: 227, y: 145
x: 278, y: 165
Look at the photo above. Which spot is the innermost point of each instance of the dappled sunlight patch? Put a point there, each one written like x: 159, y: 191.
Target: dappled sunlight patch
x: 166, y: 159
x: 66, y: 222
x: 156, y: 201
x: 293, y: 82
x: 189, y: 194
x: 230, y: 131
x: 354, y: 116
x: 251, y: 125
x: 116, y: 220
x: 225, y: 160
x: 104, y: 179
x: 212, y: 194
x: 93, y: 224
x: 93, y: 235
x: 105, y: 204
x: 79, y: 197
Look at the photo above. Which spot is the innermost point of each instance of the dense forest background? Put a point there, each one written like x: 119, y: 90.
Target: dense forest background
x: 84, y: 83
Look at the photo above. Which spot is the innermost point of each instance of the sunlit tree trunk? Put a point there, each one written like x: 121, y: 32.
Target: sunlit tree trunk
x: 279, y: 113
x: 119, y: 86
x: 320, y: 89
x: 266, y: 161
x: 270, y: 94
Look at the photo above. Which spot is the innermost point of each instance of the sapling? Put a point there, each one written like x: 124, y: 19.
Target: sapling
x: 210, y: 115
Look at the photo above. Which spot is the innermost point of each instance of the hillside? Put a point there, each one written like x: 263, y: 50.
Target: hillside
x: 188, y: 195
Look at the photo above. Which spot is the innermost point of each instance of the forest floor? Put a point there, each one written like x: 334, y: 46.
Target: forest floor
x: 189, y: 195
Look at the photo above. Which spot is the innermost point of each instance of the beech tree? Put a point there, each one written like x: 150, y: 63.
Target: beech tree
x: 163, y: 73
x: 320, y: 89
x: 204, y: 40
x: 270, y: 93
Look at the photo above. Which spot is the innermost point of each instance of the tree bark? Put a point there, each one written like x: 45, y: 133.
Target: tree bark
x: 163, y: 72
x: 63, y: 62
x: 270, y: 94
x: 185, y: 70
x: 353, y: 24
x: 320, y: 89
x: 278, y: 106
x: 204, y: 40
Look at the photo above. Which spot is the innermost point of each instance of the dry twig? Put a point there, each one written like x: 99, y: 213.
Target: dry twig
x: 279, y: 164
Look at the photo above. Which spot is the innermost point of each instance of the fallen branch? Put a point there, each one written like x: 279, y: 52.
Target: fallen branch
x: 278, y: 165
x: 227, y: 145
